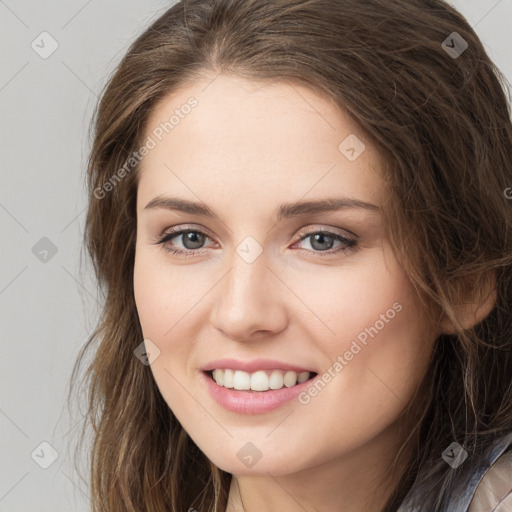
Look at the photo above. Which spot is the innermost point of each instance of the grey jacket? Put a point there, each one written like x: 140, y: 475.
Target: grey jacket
x: 489, y: 490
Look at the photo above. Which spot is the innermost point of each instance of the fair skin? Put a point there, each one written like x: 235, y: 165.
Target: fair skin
x: 244, y: 150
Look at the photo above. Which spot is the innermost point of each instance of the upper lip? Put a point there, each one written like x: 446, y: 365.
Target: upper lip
x: 253, y: 366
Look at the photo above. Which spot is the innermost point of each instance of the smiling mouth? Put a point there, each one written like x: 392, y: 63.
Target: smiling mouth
x: 261, y: 381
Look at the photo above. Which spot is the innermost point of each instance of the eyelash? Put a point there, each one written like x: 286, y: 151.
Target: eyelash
x: 350, y: 244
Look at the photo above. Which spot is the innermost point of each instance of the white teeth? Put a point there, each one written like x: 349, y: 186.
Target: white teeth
x: 218, y: 376
x: 228, y: 378
x: 276, y: 380
x: 259, y: 381
x: 303, y: 377
x: 290, y: 379
x: 262, y: 380
x: 241, y: 380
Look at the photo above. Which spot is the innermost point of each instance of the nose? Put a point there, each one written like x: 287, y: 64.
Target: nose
x: 250, y: 301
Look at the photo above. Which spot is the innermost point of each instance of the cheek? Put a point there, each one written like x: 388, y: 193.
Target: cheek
x: 377, y: 347
x: 163, y: 294
x: 380, y: 364
x: 172, y: 305
x: 162, y: 300
x: 355, y: 301
x: 148, y: 291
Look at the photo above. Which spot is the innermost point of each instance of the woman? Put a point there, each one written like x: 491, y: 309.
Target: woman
x: 240, y: 364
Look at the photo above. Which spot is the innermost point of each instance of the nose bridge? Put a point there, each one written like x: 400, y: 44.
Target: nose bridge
x: 248, y: 299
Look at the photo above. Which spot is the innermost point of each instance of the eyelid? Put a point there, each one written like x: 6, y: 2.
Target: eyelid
x: 315, y: 228
x: 184, y: 227
x: 176, y: 230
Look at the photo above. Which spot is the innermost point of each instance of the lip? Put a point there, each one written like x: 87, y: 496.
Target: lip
x: 254, y: 365
x: 253, y: 402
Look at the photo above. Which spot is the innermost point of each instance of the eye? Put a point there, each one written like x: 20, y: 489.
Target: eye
x: 191, y: 241
x: 322, y: 241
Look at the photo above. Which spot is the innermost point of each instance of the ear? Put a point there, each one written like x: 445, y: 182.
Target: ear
x: 476, y: 307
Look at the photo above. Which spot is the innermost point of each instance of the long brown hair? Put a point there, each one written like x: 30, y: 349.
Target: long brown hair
x: 441, y: 122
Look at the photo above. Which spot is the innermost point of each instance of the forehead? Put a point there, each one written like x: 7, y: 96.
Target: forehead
x: 260, y: 139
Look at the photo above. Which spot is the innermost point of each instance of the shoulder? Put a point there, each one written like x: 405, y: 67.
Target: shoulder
x: 494, y: 491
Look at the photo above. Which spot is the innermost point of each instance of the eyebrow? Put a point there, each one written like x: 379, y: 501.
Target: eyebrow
x: 299, y: 208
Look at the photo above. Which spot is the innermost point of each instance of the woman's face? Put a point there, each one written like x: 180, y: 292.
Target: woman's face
x: 254, y: 279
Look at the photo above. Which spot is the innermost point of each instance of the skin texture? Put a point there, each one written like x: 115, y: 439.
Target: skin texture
x: 244, y: 150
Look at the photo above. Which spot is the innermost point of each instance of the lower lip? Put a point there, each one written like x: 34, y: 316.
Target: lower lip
x: 253, y: 402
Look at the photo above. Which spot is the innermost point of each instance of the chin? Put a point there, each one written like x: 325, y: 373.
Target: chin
x: 262, y: 467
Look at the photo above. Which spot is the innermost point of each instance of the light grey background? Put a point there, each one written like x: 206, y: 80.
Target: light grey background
x: 48, y: 308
